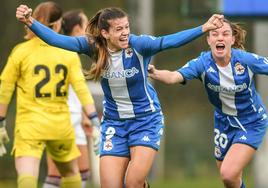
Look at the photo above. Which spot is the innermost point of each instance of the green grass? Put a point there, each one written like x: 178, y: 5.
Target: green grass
x: 189, y: 183
x: 198, y: 182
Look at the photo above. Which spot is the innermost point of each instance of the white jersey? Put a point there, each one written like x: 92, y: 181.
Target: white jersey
x: 73, y: 102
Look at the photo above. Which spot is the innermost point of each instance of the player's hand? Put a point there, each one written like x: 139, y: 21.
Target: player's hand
x: 152, y: 71
x: 23, y: 14
x: 87, y: 126
x: 94, y: 133
x: 3, y: 140
x: 91, y: 126
x: 214, y: 22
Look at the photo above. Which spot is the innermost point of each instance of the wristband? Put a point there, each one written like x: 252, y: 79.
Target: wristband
x: 2, y: 122
x: 94, y: 119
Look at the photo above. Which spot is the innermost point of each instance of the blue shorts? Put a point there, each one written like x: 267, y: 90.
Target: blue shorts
x: 229, y: 131
x: 117, y: 136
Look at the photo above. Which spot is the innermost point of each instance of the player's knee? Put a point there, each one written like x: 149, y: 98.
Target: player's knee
x: 229, y: 177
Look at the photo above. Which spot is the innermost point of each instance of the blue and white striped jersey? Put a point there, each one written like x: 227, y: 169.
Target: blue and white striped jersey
x: 127, y: 92
x: 231, y: 89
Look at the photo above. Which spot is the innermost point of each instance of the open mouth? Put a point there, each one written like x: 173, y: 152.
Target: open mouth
x: 220, y: 47
x: 125, y: 39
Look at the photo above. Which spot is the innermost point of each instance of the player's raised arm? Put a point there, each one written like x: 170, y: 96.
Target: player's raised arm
x: 151, y: 45
x: 77, y: 44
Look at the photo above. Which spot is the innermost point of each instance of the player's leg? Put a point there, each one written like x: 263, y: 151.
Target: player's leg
x: 144, y: 141
x: 141, y: 162
x: 81, y: 142
x: 64, y: 153
x: 83, y: 164
x: 70, y: 173
x: 112, y: 171
x: 27, y: 160
x: 114, y: 153
x: 53, y: 176
x: 27, y: 169
x: 236, y: 159
x: 235, y: 147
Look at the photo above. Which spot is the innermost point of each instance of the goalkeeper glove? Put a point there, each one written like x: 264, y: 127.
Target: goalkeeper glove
x: 3, y: 136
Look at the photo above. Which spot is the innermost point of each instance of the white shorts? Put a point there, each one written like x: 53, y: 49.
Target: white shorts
x: 80, y: 137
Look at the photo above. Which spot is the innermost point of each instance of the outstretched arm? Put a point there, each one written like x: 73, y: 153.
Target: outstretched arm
x: 183, y: 37
x: 165, y: 76
x: 151, y: 45
x: 77, y: 44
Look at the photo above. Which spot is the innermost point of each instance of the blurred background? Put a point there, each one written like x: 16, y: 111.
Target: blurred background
x: 186, y: 155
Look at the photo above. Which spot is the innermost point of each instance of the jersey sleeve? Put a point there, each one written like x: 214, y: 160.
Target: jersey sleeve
x: 76, y: 44
x: 192, y: 70
x: 257, y: 64
x: 8, y: 79
x: 150, y: 45
x: 78, y: 82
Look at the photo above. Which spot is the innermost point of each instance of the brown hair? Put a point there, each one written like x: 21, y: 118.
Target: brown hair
x: 70, y: 19
x: 239, y: 33
x: 47, y: 13
x: 98, y: 22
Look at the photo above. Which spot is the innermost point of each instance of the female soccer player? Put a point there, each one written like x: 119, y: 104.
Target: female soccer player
x: 133, y: 121
x: 41, y: 74
x: 240, y: 118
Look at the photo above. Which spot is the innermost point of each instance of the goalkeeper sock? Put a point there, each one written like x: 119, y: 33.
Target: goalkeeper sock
x: 27, y: 181
x: 71, y: 182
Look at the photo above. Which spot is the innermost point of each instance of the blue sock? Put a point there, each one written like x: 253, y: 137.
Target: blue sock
x: 243, y: 185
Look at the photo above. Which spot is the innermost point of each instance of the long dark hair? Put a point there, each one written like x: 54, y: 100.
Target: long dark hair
x: 98, y: 22
x: 47, y: 13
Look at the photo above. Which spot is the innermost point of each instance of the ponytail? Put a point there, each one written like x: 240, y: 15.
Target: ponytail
x: 101, y: 56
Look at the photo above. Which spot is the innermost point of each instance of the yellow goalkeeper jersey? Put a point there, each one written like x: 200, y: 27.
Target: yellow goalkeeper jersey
x: 41, y: 75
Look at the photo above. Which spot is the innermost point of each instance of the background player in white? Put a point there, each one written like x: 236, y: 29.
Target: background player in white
x: 74, y: 23
x: 133, y: 123
x: 240, y: 119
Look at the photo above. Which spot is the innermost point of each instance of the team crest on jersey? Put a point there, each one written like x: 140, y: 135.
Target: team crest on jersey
x: 239, y: 69
x: 128, y: 52
x: 217, y: 152
x: 108, y: 145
